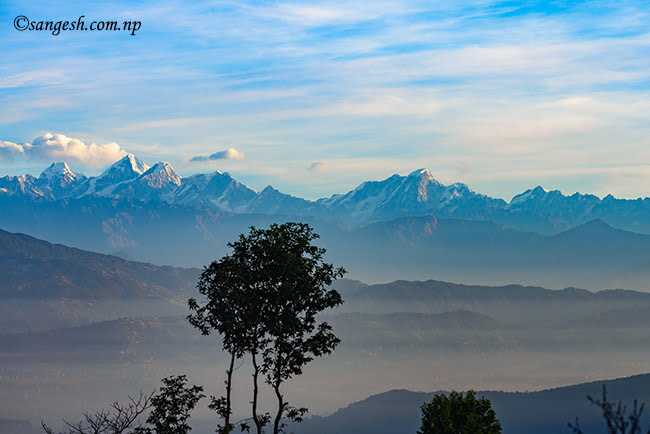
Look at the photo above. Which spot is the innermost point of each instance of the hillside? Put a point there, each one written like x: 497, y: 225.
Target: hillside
x: 32, y: 268
x: 593, y: 255
x: 543, y: 412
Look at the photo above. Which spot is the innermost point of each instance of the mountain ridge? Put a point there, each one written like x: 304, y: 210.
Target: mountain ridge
x: 35, y: 269
x: 413, y: 195
x: 550, y: 410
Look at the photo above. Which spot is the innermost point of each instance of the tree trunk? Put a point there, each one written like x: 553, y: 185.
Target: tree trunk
x: 227, y: 427
x: 278, y: 416
x: 256, y: 419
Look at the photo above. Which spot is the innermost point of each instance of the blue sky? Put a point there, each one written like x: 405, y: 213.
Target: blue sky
x: 316, y: 97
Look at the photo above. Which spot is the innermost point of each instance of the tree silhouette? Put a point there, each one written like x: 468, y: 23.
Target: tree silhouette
x: 616, y: 418
x: 234, y: 309
x: 172, y: 407
x: 170, y: 411
x: 116, y: 420
x: 263, y: 300
x: 458, y: 414
x: 295, y: 280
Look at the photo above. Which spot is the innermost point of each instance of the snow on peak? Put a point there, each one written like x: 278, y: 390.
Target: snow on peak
x: 161, y: 173
x: 128, y: 165
x: 58, y: 170
x: 135, y: 164
x: 536, y: 192
x: 421, y: 173
x: 161, y: 166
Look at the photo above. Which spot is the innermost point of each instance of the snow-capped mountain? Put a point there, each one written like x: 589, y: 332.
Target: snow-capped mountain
x: 54, y: 182
x: 413, y: 195
x: 416, y: 194
x: 158, y: 182
x: 123, y: 171
x: 271, y: 201
x: 60, y: 178
x: 225, y: 192
x: 60, y: 171
x: 23, y: 186
x: 553, y: 203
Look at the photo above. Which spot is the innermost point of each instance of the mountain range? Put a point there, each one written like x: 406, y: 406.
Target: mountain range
x: 404, y: 227
x: 417, y: 194
x: 593, y: 255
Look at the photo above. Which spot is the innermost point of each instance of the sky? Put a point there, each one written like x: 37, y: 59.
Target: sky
x: 317, y: 97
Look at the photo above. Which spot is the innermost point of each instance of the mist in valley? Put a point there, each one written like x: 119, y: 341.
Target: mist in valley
x: 464, y: 343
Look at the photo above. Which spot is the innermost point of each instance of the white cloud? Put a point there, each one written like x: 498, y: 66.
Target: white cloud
x: 228, y: 154
x: 50, y: 147
x: 9, y: 150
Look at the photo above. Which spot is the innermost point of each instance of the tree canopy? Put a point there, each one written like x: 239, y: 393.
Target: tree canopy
x: 459, y: 414
x: 264, y: 299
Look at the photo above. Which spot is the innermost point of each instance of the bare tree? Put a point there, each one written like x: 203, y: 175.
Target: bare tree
x: 616, y: 417
x: 118, y: 419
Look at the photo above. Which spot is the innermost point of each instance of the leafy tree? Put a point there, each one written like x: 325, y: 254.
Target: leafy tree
x: 263, y: 300
x: 616, y: 417
x: 233, y: 309
x: 172, y: 407
x: 294, y: 279
x: 458, y: 414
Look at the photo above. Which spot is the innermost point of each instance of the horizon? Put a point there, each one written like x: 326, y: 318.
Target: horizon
x: 259, y: 189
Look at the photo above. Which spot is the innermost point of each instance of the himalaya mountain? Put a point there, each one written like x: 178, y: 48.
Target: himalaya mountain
x: 417, y: 194
x: 404, y: 227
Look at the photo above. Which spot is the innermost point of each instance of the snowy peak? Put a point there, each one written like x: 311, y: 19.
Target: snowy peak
x: 159, y: 183
x: 58, y: 170
x: 227, y: 193
x: 541, y: 195
x: 535, y: 193
x: 125, y: 169
x: 160, y: 175
x: 416, y: 194
x: 24, y: 185
x: 422, y: 174
x: 59, y: 179
x: 134, y: 163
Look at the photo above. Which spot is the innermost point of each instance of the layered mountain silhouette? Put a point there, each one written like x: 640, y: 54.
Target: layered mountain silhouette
x: 593, y: 255
x: 404, y: 227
